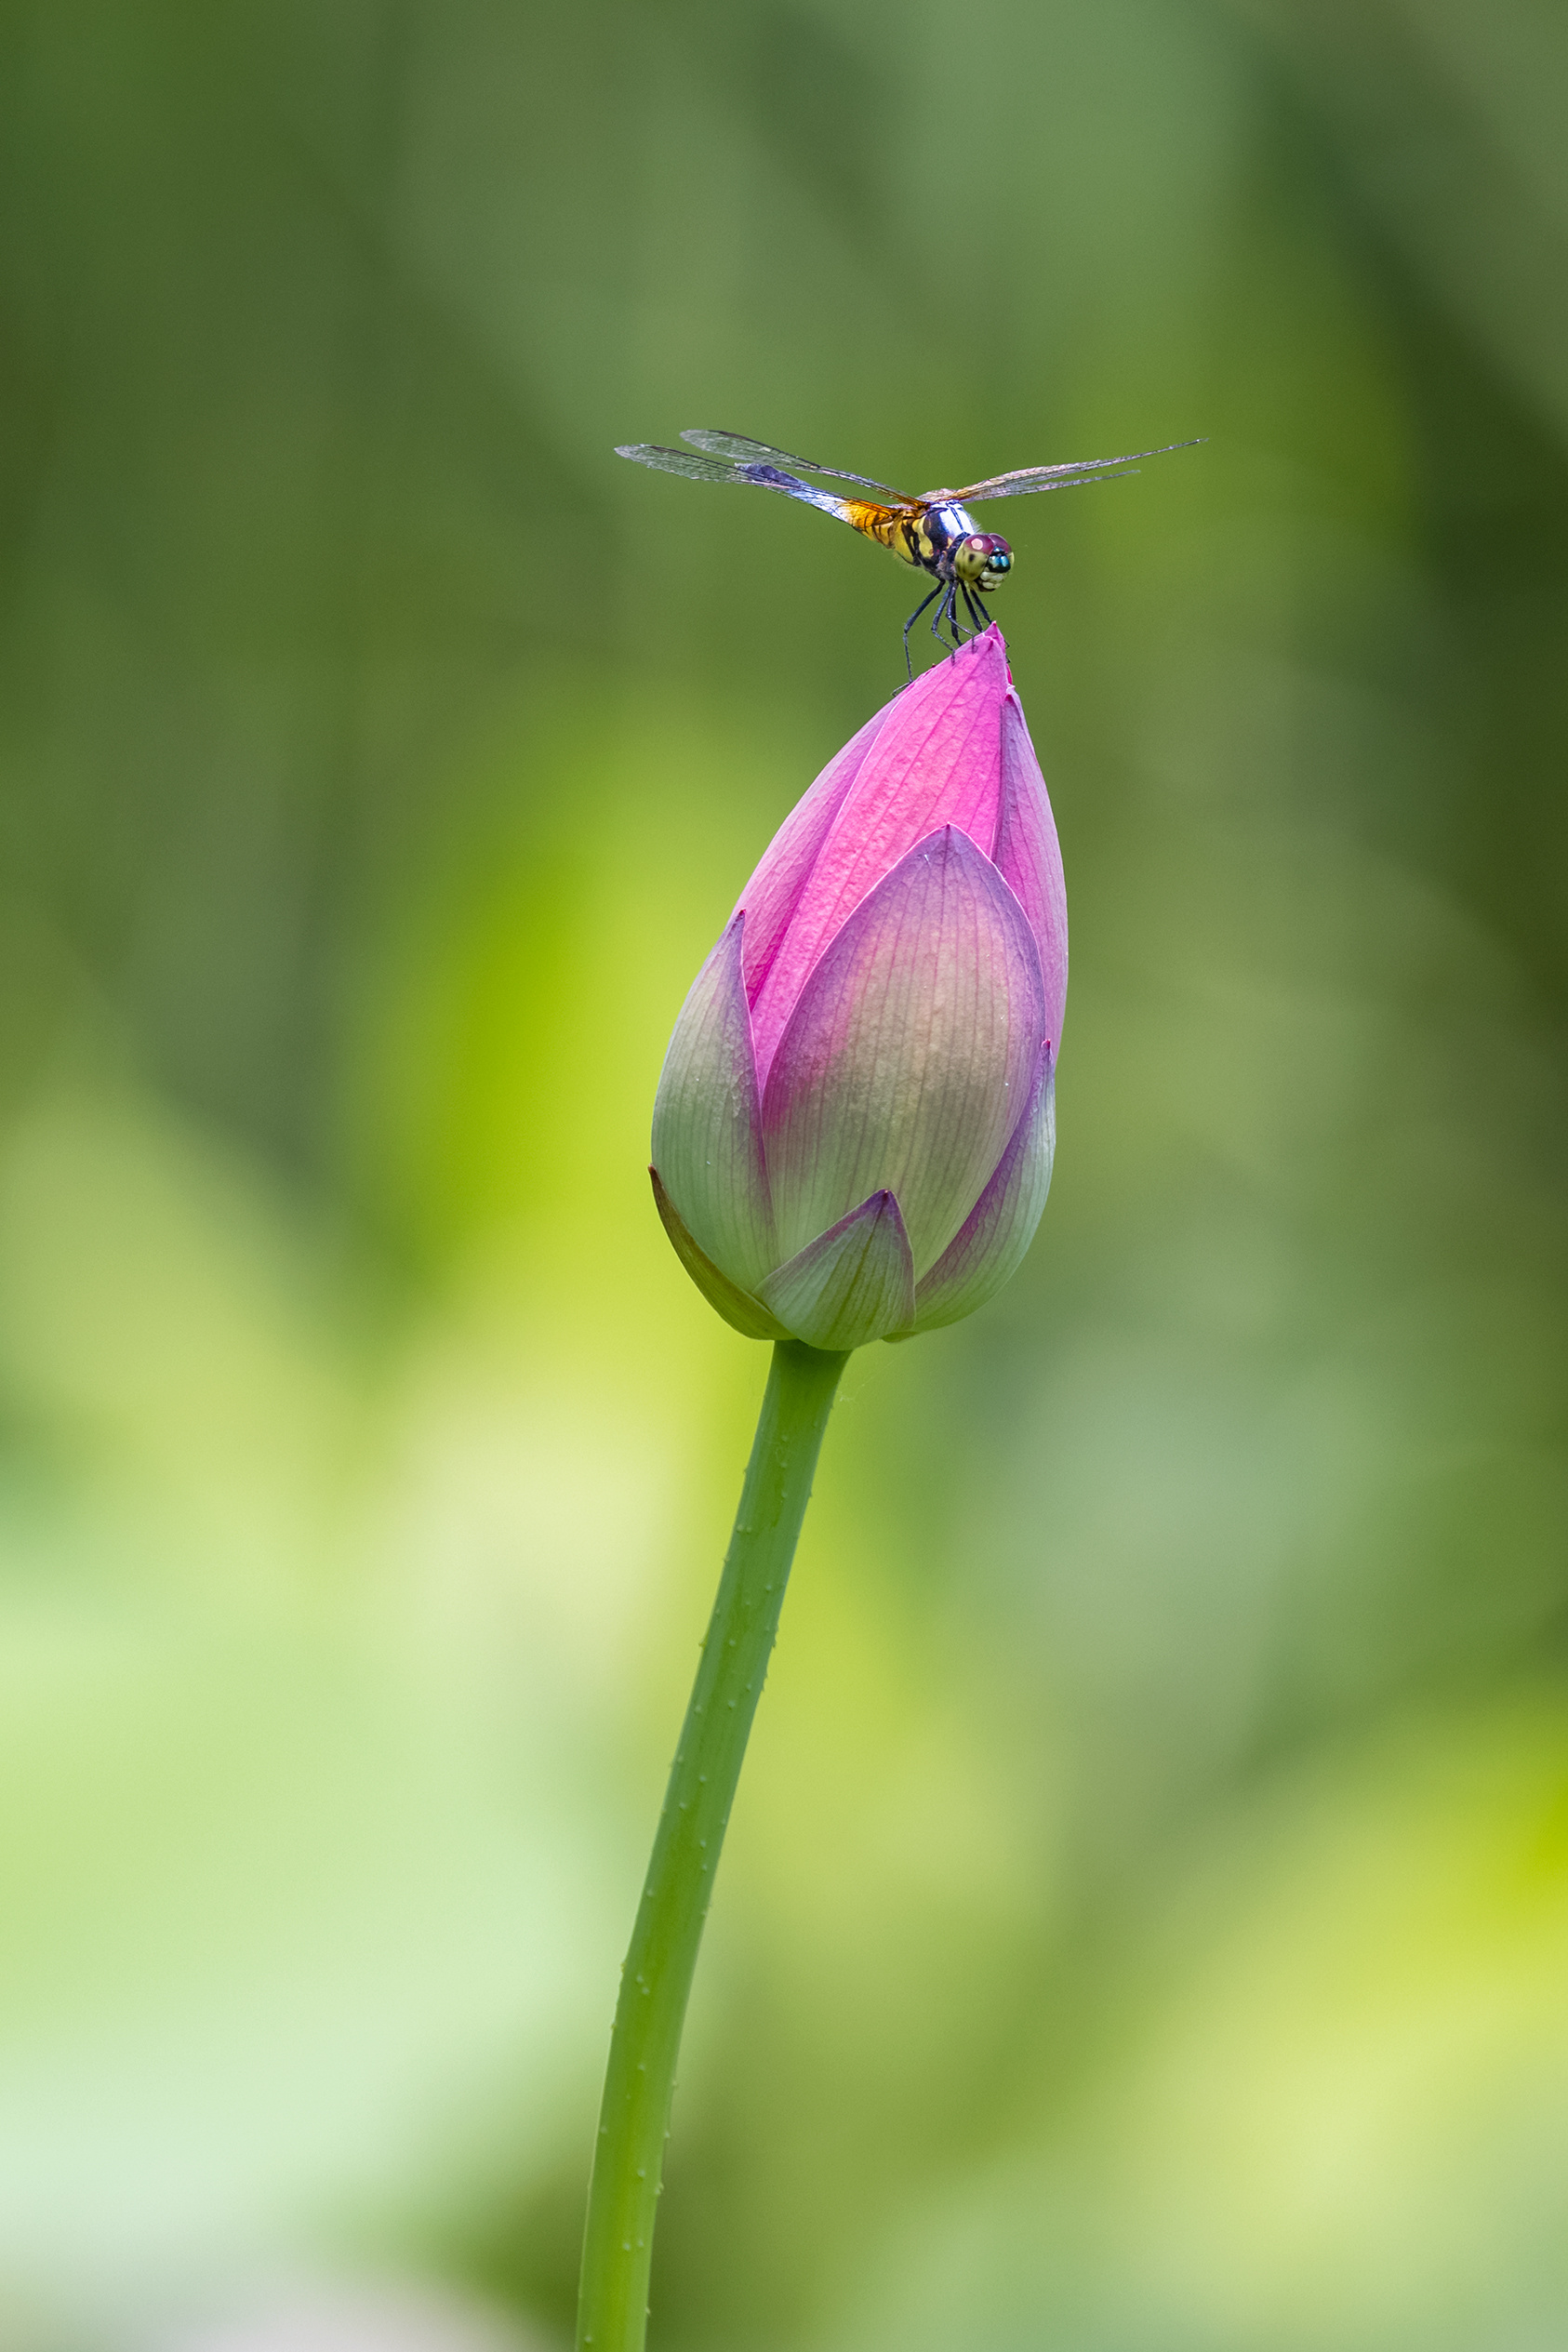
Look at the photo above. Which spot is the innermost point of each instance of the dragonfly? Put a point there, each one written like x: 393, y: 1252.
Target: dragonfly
x: 934, y: 532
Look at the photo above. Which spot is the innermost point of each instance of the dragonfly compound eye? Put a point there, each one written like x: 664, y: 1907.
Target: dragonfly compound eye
x: 998, y: 562
x: 975, y: 557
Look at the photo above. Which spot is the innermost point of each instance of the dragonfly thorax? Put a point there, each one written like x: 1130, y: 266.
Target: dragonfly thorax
x: 934, y: 534
x: 949, y: 524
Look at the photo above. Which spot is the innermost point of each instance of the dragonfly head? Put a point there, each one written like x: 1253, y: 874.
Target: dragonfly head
x: 983, y: 561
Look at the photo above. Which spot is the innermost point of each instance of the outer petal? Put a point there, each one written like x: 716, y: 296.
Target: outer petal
x: 770, y: 897
x: 737, y: 1307
x: 707, y: 1134
x: 935, y: 761
x: 853, y: 1284
x: 988, y: 1249
x: 910, y: 1058
x: 1028, y: 857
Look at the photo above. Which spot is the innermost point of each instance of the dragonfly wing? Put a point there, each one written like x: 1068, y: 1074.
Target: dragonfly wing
x: 1031, y: 478
x: 735, y: 445
x: 1023, y: 486
x: 757, y: 475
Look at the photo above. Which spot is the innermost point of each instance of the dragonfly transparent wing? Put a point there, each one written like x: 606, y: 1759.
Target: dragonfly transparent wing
x: 735, y: 445
x: 1031, y: 478
x: 760, y: 477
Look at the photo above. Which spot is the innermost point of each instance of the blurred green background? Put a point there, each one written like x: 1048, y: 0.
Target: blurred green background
x: 1144, y: 1927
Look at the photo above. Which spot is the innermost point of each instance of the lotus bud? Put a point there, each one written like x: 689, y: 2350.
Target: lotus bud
x: 853, y: 1132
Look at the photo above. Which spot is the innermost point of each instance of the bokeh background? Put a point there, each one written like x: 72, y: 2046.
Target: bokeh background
x: 1144, y: 1927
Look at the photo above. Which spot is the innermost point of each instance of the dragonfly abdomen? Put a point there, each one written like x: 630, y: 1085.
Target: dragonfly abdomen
x: 884, y: 524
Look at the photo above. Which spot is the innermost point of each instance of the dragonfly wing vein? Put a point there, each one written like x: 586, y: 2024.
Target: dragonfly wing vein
x: 755, y: 476
x: 1028, y: 479
x: 737, y: 446
x: 989, y: 490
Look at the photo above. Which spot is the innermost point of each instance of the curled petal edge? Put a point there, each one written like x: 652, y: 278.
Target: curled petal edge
x: 707, y: 1120
x: 852, y: 1284
x: 1027, y: 855
x: 989, y: 1248
x: 737, y: 1307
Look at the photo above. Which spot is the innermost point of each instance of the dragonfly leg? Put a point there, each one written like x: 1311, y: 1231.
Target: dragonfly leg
x: 909, y: 663
x: 945, y: 612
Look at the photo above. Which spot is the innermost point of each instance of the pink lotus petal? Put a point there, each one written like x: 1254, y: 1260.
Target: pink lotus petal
x: 911, y: 1055
x: 707, y: 1131
x: 737, y: 1307
x: 934, y: 763
x: 852, y: 1284
x: 1028, y: 857
x: 989, y: 1246
x: 770, y: 897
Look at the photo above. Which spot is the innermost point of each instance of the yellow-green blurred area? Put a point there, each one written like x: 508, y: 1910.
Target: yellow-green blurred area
x: 1145, y: 1924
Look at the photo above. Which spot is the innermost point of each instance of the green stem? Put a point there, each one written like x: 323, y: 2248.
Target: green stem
x: 640, y: 2084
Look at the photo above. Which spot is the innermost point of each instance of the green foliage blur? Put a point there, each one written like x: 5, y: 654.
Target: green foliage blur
x: 1144, y: 1927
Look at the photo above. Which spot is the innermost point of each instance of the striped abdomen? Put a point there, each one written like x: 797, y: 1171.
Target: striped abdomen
x: 899, y: 530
